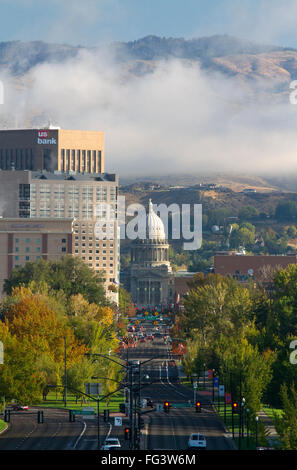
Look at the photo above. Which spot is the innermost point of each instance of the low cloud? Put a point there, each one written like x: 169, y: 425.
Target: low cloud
x: 175, y: 119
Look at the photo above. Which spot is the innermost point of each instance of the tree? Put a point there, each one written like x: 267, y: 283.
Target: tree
x: 248, y: 213
x: 126, y: 306
x: 286, y: 424
x: 30, y: 321
x: 243, y: 367
x: 242, y: 237
x: 69, y: 274
x: 79, y: 374
x: 19, y: 378
x: 217, y: 305
x: 286, y: 211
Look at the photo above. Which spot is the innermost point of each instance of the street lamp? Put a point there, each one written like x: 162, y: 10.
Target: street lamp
x: 130, y: 368
x: 204, y: 369
x: 242, y: 411
x: 194, y: 376
x: 247, y: 426
x: 256, y: 419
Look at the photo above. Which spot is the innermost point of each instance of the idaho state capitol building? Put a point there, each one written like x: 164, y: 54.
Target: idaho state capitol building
x: 52, y: 193
x: 151, y: 281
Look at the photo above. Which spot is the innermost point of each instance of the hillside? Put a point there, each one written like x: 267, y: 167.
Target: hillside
x: 220, y: 53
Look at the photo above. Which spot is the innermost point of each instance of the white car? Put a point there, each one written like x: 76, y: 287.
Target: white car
x: 111, y: 443
x: 197, y: 440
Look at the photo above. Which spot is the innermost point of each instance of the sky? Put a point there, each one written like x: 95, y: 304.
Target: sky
x: 178, y: 119
x: 90, y: 22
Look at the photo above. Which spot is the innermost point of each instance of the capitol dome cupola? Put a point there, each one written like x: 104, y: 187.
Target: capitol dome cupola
x: 154, y: 225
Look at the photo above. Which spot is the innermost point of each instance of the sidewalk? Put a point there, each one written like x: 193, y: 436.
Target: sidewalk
x: 273, y: 437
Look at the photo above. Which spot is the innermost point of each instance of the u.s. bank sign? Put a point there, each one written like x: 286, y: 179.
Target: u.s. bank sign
x: 43, y: 138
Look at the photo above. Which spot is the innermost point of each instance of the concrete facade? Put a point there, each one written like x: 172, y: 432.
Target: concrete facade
x: 29, y: 240
x: 52, y: 149
x: 244, y: 267
x: 83, y: 197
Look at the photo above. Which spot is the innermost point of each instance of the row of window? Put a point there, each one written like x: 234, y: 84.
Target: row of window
x: 88, y: 161
x: 19, y: 159
x: 37, y: 240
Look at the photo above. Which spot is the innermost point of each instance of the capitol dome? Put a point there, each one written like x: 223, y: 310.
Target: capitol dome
x: 154, y: 226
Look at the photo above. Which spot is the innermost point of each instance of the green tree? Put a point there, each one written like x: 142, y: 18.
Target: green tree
x: 243, y: 367
x: 69, y: 274
x: 248, y: 213
x: 286, y: 424
x: 286, y: 211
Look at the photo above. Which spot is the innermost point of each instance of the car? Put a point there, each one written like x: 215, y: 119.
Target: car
x: 142, y: 340
x: 18, y: 407
x: 133, y: 364
x: 149, y: 402
x: 111, y: 443
x: 197, y: 441
x: 110, y: 448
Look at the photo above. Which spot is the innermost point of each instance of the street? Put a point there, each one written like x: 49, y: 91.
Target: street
x: 160, y: 430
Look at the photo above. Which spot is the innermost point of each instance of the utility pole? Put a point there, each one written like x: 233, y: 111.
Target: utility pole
x: 131, y: 408
x: 65, y: 362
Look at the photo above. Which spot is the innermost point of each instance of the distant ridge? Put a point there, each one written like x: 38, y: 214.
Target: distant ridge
x: 19, y: 57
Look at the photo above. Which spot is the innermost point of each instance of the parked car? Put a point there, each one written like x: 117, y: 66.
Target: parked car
x: 111, y: 443
x: 197, y: 441
x: 18, y: 407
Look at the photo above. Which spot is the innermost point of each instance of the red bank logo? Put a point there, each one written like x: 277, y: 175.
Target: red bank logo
x: 43, y: 134
x: 43, y: 138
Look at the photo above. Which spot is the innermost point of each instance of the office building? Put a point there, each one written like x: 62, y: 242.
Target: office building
x: 246, y: 267
x: 52, y: 149
x: 86, y: 198
x: 30, y: 240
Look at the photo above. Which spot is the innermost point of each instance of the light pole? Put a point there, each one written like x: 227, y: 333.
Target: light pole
x: 204, y: 368
x: 65, y: 368
x: 129, y: 368
x: 194, y: 375
x: 247, y: 426
x: 242, y: 410
x: 256, y: 419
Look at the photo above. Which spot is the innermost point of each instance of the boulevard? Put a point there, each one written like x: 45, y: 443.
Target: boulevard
x: 160, y: 430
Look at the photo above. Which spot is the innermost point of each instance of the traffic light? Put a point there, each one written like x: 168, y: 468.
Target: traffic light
x: 106, y: 415
x: 7, y: 416
x: 166, y: 406
x: 235, y: 408
x: 127, y: 434
x: 198, y: 407
x: 40, y: 417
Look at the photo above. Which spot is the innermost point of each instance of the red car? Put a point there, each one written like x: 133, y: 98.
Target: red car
x: 142, y: 340
x: 17, y: 407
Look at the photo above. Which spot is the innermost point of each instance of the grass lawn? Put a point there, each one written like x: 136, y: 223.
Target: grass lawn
x: 2, y: 425
x: 271, y: 411
x: 55, y: 400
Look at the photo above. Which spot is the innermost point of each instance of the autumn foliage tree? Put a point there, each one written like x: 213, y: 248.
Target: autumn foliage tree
x: 31, y: 324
